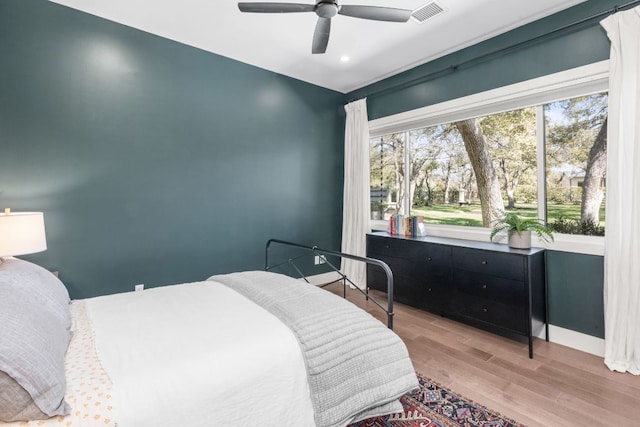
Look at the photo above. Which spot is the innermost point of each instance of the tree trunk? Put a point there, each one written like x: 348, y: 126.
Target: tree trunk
x: 399, y: 174
x: 486, y: 177
x: 412, y: 195
x: 469, y: 188
x: 511, y: 181
x: 596, y: 166
x: 512, y: 190
x: 429, y: 200
x: 508, y: 189
x: 415, y: 180
x: 511, y: 198
x: 446, y: 183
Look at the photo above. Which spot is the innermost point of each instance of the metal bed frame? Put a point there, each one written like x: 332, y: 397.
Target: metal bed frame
x: 316, y: 251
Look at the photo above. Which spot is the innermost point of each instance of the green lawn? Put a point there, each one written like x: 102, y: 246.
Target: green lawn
x: 471, y: 215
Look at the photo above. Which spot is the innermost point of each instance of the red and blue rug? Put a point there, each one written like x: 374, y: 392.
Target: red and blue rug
x: 434, y: 406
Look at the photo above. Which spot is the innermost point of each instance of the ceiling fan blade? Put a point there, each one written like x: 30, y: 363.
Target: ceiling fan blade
x: 321, y: 35
x: 262, y: 7
x: 376, y: 13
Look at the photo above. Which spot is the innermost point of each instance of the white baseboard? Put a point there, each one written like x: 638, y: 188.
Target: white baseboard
x: 576, y: 340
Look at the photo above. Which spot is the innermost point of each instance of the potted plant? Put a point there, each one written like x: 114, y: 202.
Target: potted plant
x: 519, y: 230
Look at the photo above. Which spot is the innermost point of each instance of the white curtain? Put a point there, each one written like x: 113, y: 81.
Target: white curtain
x: 622, y: 240
x: 356, y: 204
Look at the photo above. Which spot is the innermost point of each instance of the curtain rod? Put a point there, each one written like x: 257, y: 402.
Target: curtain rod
x: 486, y: 56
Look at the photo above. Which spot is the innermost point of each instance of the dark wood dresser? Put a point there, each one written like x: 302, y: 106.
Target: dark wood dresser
x: 487, y: 285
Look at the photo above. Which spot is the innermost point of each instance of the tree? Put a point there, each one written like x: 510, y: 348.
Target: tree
x: 387, y: 156
x: 512, y: 137
x: 422, y: 160
x: 432, y: 151
x: 580, y: 140
x: 387, y: 168
x: 446, y: 157
x: 592, y: 195
x: 486, y: 177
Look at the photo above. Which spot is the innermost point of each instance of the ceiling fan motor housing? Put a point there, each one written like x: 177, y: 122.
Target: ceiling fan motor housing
x: 326, y: 9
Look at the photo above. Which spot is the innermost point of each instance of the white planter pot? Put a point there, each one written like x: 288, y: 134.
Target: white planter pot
x: 521, y: 240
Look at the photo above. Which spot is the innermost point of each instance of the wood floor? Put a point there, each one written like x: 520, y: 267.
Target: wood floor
x: 560, y: 386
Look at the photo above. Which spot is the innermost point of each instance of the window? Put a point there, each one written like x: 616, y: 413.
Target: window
x: 576, y: 153
x: 544, y: 160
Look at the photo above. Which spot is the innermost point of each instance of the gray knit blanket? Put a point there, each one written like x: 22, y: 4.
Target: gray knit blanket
x: 356, y: 367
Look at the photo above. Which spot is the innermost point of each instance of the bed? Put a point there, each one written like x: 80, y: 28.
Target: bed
x: 247, y: 348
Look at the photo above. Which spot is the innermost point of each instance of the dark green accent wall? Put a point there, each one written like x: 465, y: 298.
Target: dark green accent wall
x: 575, y: 285
x: 575, y: 281
x: 155, y: 162
x: 578, y: 46
x: 159, y: 163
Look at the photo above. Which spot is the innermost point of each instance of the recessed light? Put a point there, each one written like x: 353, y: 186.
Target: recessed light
x: 345, y: 58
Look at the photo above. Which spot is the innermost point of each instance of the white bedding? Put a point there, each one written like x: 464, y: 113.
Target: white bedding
x: 179, y: 355
x: 204, y: 354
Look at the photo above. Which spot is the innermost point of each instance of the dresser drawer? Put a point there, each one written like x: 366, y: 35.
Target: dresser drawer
x: 509, y: 266
x: 392, y: 247
x: 436, y: 297
x: 399, y: 266
x: 508, y: 291
x: 433, y: 262
x: 435, y: 273
x: 433, y: 254
x: 409, y: 291
x: 411, y: 258
x: 492, y: 312
x: 405, y: 290
x: 430, y: 295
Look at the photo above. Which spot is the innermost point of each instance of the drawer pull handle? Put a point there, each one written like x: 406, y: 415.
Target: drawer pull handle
x: 485, y: 309
x: 484, y: 262
x: 429, y: 289
x: 484, y: 286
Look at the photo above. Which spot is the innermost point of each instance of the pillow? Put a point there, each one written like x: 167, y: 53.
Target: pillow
x: 35, y: 334
x: 15, y: 403
x: 42, y: 286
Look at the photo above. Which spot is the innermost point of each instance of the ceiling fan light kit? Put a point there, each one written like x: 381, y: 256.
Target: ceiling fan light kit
x: 327, y: 9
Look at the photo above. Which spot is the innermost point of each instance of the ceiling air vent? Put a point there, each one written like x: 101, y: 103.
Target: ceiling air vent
x: 427, y: 12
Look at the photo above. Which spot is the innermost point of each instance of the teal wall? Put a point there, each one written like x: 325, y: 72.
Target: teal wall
x: 158, y: 163
x: 576, y: 285
x: 155, y: 162
x: 575, y: 281
x: 415, y: 88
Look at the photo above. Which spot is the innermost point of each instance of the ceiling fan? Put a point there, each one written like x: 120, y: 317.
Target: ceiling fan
x: 327, y: 9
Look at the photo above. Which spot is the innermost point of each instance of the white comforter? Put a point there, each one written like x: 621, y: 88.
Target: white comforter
x: 199, y: 354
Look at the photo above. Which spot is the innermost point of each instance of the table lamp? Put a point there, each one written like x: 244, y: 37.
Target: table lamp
x: 21, y: 233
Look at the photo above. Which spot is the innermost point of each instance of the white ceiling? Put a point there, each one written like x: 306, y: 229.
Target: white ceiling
x: 282, y: 42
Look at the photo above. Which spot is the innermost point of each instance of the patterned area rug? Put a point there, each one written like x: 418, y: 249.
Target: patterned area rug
x: 435, y: 406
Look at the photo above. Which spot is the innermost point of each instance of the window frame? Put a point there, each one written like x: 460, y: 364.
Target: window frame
x: 580, y: 81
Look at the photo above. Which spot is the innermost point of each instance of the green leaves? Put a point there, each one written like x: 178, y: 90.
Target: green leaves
x: 512, y: 222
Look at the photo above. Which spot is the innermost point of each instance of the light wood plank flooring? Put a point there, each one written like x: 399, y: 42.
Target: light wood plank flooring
x: 560, y: 386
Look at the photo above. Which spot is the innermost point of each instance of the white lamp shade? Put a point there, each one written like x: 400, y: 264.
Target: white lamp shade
x: 22, y: 233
